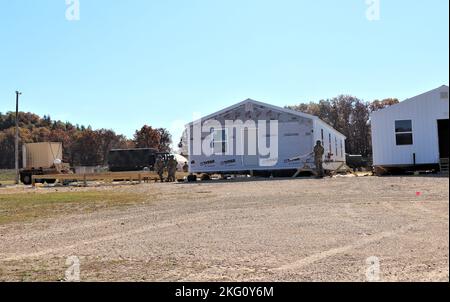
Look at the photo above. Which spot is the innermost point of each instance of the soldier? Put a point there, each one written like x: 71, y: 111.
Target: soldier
x: 159, y: 168
x: 186, y: 167
x: 172, y: 169
x: 319, y: 151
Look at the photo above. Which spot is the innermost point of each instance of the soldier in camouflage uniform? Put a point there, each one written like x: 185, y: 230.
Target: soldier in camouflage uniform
x: 186, y: 167
x: 159, y: 168
x: 319, y: 151
x: 172, y: 169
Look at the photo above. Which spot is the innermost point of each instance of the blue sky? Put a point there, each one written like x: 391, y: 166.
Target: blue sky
x: 129, y: 63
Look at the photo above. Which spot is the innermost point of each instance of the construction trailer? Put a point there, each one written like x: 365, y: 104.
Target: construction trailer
x: 235, y: 150
x: 412, y: 135
x: 42, y: 159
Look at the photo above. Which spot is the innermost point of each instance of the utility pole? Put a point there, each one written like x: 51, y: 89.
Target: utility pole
x: 17, y: 138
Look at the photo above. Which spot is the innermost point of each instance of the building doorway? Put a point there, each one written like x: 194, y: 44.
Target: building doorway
x: 443, y: 138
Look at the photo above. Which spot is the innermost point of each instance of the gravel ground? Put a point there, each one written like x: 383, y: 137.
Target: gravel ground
x: 277, y: 230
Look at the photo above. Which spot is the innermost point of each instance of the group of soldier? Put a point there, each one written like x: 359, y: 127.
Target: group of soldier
x: 171, y: 166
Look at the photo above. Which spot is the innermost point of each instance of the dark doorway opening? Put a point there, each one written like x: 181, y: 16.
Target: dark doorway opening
x: 443, y: 138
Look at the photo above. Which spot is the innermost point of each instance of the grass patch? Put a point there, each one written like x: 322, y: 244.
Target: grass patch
x: 25, y: 207
x: 7, y: 176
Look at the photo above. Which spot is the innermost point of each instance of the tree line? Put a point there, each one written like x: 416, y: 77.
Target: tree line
x: 82, y: 146
x: 350, y: 116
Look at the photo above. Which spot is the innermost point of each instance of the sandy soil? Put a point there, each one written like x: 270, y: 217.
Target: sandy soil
x: 278, y: 230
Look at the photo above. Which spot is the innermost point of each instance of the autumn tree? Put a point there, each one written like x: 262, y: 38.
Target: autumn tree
x: 108, y: 140
x: 81, y: 145
x: 165, y: 140
x: 378, y: 105
x: 350, y: 116
x: 7, y: 148
x: 85, y: 151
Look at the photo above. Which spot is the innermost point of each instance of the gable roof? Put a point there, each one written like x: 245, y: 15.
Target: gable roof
x: 247, y: 101
x: 412, y: 99
x: 276, y: 108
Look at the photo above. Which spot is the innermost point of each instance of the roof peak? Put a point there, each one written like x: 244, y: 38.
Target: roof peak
x: 410, y: 99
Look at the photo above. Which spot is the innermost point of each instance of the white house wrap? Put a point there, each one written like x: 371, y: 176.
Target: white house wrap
x: 289, y: 136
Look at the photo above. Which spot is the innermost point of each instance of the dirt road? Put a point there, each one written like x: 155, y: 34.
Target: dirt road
x: 278, y: 230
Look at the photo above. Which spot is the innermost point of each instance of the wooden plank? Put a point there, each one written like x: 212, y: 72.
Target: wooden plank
x: 304, y: 168
x: 111, y: 176
x: 118, y: 175
x: 308, y: 169
x: 333, y: 172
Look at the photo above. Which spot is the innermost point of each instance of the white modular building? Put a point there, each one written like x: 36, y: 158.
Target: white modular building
x: 413, y: 133
x: 252, y: 136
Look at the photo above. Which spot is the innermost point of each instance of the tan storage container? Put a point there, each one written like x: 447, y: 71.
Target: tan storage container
x: 41, y: 155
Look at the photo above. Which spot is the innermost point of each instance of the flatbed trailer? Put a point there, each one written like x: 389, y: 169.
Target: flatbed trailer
x: 109, y: 176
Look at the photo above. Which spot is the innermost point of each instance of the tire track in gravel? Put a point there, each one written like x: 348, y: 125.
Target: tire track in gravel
x: 423, y: 208
x: 339, y: 250
x: 60, y: 226
x: 64, y: 225
x: 196, y: 215
x: 332, y: 252
x: 353, y: 216
x: 116, y: 214
x: 123, y: 235
x: 416, y: 206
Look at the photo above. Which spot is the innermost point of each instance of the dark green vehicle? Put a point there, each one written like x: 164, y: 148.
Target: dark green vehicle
x: 121, y: 160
